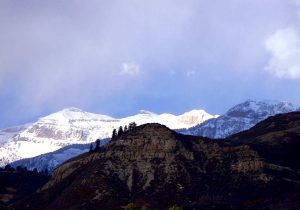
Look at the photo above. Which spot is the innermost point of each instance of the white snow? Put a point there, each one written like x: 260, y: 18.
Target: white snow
x: 75, y: 126
x: 51, y: 160
x: 75, y: 114
x: 239, y: 118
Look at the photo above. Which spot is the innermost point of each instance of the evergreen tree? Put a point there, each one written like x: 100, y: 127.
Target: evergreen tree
x: 46, y: 172
x: 91, y: 148
x: 97, y: 147
x: 114, y: 134
x: 132, y: 125
x: 9, y: 168
x: 120, y: 131
x: 125, y: 128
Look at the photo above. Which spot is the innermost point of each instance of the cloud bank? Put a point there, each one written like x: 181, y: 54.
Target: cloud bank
x: 115, y: 57
x: 284, y: 48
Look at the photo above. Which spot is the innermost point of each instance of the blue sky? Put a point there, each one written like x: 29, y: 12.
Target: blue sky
x: 116, y: 57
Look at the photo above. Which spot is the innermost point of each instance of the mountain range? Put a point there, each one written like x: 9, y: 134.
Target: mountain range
x: 75, y: 126
x: 239, y: 118
x: 153, y: 167
x: 58, y: 137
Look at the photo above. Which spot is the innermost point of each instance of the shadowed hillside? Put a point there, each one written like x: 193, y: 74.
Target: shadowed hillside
x: 17, y: 184
x: 155, y: 168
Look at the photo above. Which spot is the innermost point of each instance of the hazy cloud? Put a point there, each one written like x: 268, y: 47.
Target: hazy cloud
x: 284, y: 46
x: 131, y: 69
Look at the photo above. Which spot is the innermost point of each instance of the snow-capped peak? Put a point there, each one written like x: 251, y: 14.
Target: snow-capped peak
x: 251, y: 108
x: 146, y: 112
x: 196, y: 112
x: 73, y: 114
x: 72, y: 109
x: 241, y: 117
x: 195, y: 117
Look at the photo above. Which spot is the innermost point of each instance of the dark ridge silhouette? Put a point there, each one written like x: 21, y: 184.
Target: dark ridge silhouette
x: 154, y: 167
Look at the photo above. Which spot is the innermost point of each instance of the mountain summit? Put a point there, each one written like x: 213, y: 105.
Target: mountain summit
x: 240, y: 117
x: 75, y: 114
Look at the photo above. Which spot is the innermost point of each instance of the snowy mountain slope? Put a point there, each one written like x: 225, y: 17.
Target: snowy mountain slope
x: 51, y: 160
x: 9, y: 133
x: 75, y: 126
x: 239, y: 118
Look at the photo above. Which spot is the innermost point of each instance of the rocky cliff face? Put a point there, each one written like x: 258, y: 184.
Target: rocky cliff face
x: 154, y: 167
